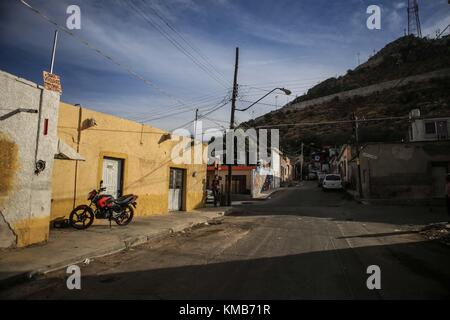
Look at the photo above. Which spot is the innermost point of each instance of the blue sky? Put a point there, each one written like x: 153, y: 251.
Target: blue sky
x: 290, y: 43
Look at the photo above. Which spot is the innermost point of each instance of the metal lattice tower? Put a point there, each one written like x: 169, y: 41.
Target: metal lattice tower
x: 413, y: 19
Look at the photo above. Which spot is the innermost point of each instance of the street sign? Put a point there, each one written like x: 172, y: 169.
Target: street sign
x: 370, y: 156
x: 52, y: 82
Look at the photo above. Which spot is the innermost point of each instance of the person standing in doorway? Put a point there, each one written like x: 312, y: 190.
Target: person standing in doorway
x: 215, y: 189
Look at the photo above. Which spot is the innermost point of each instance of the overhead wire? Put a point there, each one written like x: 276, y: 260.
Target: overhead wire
x: 161, y: 15
x: 101, y: 52
x: 175, y: 43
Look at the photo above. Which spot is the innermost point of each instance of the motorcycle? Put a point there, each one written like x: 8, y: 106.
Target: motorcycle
x: 105, y: 207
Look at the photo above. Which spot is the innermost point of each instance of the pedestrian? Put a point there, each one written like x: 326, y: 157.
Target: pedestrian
x: 215, y: 189
x: 447, y: 193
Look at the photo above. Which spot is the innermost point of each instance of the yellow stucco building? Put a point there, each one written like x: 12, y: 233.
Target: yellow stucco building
x: 129, y: 157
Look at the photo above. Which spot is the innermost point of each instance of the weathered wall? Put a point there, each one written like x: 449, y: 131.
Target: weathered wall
x: 147, y: 163
x: 418, y: 132
x: 24, y: 195
x: 223, y: 174
x: 402, y: 170
x: 287, y: 169
x: 261, y: 181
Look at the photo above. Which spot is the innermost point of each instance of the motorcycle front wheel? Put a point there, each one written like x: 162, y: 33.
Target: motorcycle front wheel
x: 81, y: 217
x: 125, y: 217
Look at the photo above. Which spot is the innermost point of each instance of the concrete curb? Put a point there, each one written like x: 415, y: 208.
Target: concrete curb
x: 124, y: 244
x: 268, y: 195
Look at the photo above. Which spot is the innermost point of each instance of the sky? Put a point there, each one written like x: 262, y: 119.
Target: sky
x: 284, y: 43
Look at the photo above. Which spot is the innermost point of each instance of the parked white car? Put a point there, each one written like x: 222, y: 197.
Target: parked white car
x: 332, y: 182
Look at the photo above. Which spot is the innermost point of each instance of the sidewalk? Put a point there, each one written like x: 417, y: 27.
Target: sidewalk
x: 396, y: 202
x: 266, y: 194
x: 70, y: 246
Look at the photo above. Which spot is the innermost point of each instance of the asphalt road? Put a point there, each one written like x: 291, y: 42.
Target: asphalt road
x: 301, y: 244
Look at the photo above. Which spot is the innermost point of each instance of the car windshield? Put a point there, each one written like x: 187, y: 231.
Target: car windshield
x: 333, y: 178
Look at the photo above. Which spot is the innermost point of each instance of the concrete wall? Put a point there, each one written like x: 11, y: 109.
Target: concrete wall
x: 275, y: 165
x: 25, y: 195
x: 287, y: 170
x: 402, y: 171
x: 223, y: 174
x: 418, y: 132
x: 147, y: 161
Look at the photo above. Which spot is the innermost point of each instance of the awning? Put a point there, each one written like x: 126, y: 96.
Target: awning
x: 65, y: 152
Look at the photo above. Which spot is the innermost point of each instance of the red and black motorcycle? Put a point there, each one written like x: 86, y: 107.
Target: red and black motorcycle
x: 105, y: 207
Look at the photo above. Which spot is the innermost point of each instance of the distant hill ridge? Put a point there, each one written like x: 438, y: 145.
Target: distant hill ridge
x: 403, y: 57
x: 407, y: 73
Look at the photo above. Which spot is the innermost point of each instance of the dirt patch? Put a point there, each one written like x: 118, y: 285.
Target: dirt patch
x: 438, y: 232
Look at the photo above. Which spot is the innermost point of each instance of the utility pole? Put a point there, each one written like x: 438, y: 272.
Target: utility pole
x: 52, y: 62
x: 358, y: 151
x: 301, y: 165
x: 195, y: 124
x: 233, y: 109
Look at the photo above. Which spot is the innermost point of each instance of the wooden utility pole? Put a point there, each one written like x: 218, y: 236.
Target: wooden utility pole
x: 195, y: 125
x: 233, y: 109
x: 358, y: 152
x: 301, y: 165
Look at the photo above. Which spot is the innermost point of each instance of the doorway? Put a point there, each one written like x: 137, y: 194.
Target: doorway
x: 438, y: 174
x: 112, y: 176
x: 176, y: 189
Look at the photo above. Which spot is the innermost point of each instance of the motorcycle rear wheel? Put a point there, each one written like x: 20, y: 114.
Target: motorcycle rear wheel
x: 126, y: 216
x: 81, y: 217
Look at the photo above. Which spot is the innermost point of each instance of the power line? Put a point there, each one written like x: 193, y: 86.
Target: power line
x: 191, y: 102
x: 201, y: 116
x: 175, y: 112
x: 174, y: 109
x: 261, y: 103
x: 175, y: 43
x: 307, y: 80
x: 301, y: 124
x: 101, y: 52
x: 160, y: 15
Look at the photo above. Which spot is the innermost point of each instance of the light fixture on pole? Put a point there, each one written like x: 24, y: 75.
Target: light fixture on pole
x: 286, y: 92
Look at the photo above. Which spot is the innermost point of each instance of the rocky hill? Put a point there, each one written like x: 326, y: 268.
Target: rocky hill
x: 407, y: 56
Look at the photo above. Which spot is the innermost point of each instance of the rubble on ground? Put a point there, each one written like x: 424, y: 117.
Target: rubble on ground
x: 437, y: 231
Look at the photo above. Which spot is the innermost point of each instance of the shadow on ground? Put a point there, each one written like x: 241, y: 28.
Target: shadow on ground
x: 420, y: 271
x: 336, y: 205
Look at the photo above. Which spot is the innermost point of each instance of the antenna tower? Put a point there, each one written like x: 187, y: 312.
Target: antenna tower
x: 413, y: 19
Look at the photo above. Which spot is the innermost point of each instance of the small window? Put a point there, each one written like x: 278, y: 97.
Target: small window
x: 430, y: 127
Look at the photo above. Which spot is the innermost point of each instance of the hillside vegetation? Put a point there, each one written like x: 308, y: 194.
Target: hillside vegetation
x: 406, y: 56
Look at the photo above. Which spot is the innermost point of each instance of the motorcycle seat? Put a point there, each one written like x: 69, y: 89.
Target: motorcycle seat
x: 124, y: 199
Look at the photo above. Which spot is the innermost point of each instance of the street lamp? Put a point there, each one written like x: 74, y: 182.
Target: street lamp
x: 286, y: 92
x: 233, y: 109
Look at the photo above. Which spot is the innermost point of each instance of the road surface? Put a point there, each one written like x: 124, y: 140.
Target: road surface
x: 300, y: 244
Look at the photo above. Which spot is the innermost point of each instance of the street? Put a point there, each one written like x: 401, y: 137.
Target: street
x: 302, y: 243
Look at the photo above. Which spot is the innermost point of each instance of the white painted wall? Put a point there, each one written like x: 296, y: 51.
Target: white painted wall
x: 29, y: 199
x: 418, y: 132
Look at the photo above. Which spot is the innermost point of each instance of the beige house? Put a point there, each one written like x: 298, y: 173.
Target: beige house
x: 129, y: 157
